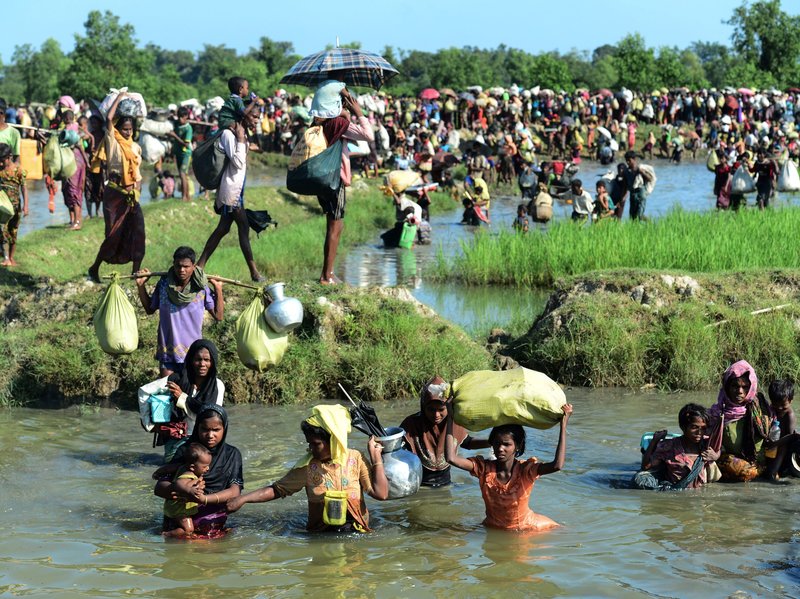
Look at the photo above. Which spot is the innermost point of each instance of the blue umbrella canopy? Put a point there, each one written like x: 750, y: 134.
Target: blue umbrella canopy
x: 358, y: 67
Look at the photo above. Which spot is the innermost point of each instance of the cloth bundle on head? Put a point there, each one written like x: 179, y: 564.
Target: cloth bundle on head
x: 336, y: 421
x: 67, y: 102
x: 724, y: 406
x: 327, y: 102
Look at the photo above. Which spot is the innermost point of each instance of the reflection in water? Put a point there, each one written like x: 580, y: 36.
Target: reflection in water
x: 79, y: 517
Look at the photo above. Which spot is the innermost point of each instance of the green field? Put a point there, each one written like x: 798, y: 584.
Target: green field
x: 709, y: 242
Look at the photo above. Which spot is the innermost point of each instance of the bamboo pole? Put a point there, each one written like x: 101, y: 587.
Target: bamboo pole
x: 162, y: 274
x: 753, y: 313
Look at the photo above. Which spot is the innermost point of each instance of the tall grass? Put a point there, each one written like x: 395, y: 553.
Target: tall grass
x: 688, y: 241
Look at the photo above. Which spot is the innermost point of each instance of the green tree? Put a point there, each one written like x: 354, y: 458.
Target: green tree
x: 552, y: 72
x: 635, y: 63
x: 105, y: 57
x: 38, y: 71
x: 716, y: 60
x: 768, y: 38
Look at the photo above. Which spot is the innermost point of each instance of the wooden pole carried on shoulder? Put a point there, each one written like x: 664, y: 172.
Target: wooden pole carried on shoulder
x: 162, y: 274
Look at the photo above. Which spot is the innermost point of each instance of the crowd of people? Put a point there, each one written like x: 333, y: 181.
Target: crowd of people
x: 497, y: 136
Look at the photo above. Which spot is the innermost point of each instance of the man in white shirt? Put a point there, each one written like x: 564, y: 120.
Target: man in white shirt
x: 582, y: 203
x: 230, y: 196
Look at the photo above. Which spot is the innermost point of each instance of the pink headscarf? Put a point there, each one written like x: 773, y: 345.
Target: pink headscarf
x: 67, y: 102
x: 724, y: 406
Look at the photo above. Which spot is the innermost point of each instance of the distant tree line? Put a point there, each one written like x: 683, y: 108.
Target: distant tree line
x: 764, y: 52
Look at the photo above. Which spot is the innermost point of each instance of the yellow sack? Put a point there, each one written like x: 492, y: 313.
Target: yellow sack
x: 484, y: 398
x: 30, y: 159
x: 115, y: 322
x: 6, y: 208
x: 312, y: 143
x: 399, y: 181
x: 712, y: 161
x: 257, y: 344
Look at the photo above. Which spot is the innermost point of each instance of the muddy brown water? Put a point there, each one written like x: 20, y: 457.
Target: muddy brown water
x: 79, y: 519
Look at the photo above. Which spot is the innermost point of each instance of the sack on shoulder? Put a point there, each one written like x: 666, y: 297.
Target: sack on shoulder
x: 319, y: 174
x: 312, y: 143
x: 209, y: 162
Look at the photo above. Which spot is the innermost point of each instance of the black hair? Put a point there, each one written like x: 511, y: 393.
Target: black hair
x: 310, y: 431
x: 184, y: 252
x: 689, y: 412
x: 630, y: 154
x: 5, y: 151
x: 602, y: 184
x: 183, y: 111
x: 122, y: 120
x: 523, y: 207
x: 576, y: 183
x: 517, y: 433
x: 235, y: 83
x: 195, y: 451
x: 781, y: 389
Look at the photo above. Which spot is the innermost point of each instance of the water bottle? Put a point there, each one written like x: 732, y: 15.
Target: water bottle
x: 774, y: 435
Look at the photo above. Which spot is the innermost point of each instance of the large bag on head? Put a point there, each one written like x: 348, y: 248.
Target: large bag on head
x: 209, y: 162
x: 131, y: 105
x: 257, y: 344
x: 484, y: 399
x: 400, y: 180
x: 742, y: 181
x: 115, y: 322
x: 6, y: 208
x: 315, y: 169
x: 788, y: 179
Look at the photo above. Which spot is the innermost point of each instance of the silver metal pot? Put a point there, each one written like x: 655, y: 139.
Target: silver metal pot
x: 403, y: 468
x: 283, y: 313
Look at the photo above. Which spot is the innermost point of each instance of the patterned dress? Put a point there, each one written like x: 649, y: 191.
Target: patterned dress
x: 12, y: 180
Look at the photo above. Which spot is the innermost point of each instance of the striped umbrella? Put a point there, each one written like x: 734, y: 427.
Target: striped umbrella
x: 358, y: 67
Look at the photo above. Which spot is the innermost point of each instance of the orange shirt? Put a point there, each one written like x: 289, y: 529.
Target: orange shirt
x: 507, y: 503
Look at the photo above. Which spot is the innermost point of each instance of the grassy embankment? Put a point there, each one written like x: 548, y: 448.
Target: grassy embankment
x: 606, y: 326
x: 637, y: 328
x: 377, y: 346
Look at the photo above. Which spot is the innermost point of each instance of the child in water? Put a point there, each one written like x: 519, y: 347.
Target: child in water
x: 671, y: 460
x: 506, y: 483
x: 781, y: 394
x: 521, y: 222
x: 198, y: 461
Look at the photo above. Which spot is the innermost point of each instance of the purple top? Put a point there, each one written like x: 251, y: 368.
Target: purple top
x: 178, y: 326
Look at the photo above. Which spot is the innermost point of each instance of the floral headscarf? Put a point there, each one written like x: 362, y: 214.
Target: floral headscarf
x: 725, y: 406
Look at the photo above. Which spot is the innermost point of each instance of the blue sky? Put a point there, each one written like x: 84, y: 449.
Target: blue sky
x: 530, y: 25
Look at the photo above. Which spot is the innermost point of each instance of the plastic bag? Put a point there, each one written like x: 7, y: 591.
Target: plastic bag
x: 132, y: 105
x: 153, y: 149
x: 788, y: 179
x: 484, y: 398
x: 157, y: 128
x: 319, y: 174
x: 59, y: 162
x: 712, y: 161
x: 399, y: 181
x: 209, y: 162
x: 115, y: 322
x: 648, y: 177
x: 6, y: 208
x: 742, y: 181
x: 312, y: 143
x: 257, y: 344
